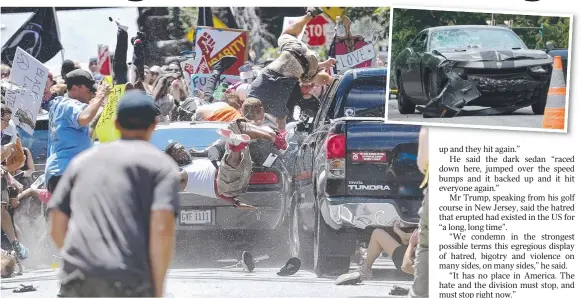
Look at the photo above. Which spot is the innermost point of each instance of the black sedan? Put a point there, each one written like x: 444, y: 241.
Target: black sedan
x: 444, y: 69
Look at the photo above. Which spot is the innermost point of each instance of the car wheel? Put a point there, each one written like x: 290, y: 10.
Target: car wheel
x: 300, y: 243
x: 539, y: 106
x: 323, y: 264
x: 405, y: 105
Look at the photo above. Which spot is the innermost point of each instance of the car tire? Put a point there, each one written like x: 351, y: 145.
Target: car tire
x: 405, y: 104
x: 323, y: 263
x: 539, y: 105
x: 300, y: 243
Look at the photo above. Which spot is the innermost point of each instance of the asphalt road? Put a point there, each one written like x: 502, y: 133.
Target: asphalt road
x: 219, y: 282
x: 523, y: 118
x: 198, y: 270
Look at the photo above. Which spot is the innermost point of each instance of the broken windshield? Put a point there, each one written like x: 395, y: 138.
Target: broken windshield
x: 465, y: 38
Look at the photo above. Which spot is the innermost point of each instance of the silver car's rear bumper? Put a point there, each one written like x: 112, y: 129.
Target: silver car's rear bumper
x: 269, y: 214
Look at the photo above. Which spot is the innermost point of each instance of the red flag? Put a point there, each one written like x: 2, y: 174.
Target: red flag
x: 104, y: 63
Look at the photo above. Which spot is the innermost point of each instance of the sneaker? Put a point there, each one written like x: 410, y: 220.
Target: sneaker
x: 21, y: 250
x: 399, y: 291
x: 248, y: 262
x: 291, y: 267
x: 353, y: 278
x: 118, y: 23
x: 314, y: 11
x: 224, y: 63
x: 232, y: 138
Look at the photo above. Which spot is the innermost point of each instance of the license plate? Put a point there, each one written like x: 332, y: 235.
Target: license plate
x: 196, y: 217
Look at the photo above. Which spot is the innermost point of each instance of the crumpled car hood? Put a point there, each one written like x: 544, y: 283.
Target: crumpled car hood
x: 481, y: 54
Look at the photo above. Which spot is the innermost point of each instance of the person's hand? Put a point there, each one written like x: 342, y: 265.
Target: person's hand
x: 414, y: 239
x: 14, y: 202
x: 243, y: 206
x: 329, y: 63
x: 103, y: 91
x: 176, y: 84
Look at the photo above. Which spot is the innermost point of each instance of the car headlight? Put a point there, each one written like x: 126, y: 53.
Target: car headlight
x: 537, y: 69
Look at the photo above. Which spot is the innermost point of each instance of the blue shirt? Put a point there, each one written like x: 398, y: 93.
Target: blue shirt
x: 66, y: 137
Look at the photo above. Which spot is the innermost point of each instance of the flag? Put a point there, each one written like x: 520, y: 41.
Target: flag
x: 205, y: 17
x: 38, y: 36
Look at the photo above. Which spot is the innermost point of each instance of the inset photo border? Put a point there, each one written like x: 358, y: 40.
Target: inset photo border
x: 479, y: 69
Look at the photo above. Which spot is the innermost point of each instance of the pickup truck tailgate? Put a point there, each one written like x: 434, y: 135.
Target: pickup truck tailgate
x: 381, y: 160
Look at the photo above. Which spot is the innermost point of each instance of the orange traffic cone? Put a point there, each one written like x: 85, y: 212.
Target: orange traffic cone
x: 554, y: 113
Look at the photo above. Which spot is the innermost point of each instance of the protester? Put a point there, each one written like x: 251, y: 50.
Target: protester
x: 10, y: 242
x: 380, y: 240
x: 295, y: 64
x: 224, y: 111
x: 69, y: 118
x: 66, y: 67
x: 208, y: 177
x: 168, y: 89
x: 7, y: 264
x: 129, y: 219
x: 420, y: 285
x: 304, y: 99
x: 5, y: 71
x: 94, y: 68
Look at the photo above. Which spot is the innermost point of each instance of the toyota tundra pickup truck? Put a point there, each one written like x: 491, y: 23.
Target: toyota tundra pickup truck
x: 353, y: 173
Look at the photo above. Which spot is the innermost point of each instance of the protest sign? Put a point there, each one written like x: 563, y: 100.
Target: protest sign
x: 105, y: 129
x: 104, y: 63
x: 318, y: 32
x: 187, y: 71
x: 212, y: 44
x: 198, y: 80
x: 31, y: 75
x: 361, y: 55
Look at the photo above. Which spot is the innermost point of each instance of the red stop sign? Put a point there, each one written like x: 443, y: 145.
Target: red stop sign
x: 314, y: 31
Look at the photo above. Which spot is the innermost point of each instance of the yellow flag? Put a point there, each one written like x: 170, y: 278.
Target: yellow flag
x: 105, y: 129
x: 217, y: 24
x: 333, y: 12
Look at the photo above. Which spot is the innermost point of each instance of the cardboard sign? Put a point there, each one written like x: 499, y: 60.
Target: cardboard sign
x: 105, y: 129
x: 368, y: 156
x: 104, y: 62
x: 31, y: 75
x: 199, y: 80
x: 211, y: 44
x: 187, y: 71
x: 318, y: 32
x: 362, y: 56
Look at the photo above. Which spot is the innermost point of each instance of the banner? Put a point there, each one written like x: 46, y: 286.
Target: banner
x: 199, y: 80
x: 30, y: 74
x: 38, y: 36
x: 362, y: 56
x: 105, y: 129
x: 212, y: 44
x: 104, y: 62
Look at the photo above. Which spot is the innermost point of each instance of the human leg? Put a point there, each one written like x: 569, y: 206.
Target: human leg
x: 218, y: 69
x: 296, y: 28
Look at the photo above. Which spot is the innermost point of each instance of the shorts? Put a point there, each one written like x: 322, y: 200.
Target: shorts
x: 52, y: 183
x: 273, y: 90
x: 97, y: 287
x: 234, y: 181
x: 398, y: 256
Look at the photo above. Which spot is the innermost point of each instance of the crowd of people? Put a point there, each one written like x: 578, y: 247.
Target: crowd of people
x: 125, y: 222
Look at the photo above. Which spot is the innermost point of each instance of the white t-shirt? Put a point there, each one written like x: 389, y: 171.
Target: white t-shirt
x: 201, y: 175
x: 9, y: 134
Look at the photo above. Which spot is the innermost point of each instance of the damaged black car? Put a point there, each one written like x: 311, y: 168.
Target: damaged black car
x: 444, y: 69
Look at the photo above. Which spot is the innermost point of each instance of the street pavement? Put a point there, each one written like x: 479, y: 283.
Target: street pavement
x: 199, y: 270
x: 522, y: 118
x: 234, y: 282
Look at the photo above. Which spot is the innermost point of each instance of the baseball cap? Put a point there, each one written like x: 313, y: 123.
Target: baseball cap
x: 81, y: 77
x: 136, y: 110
